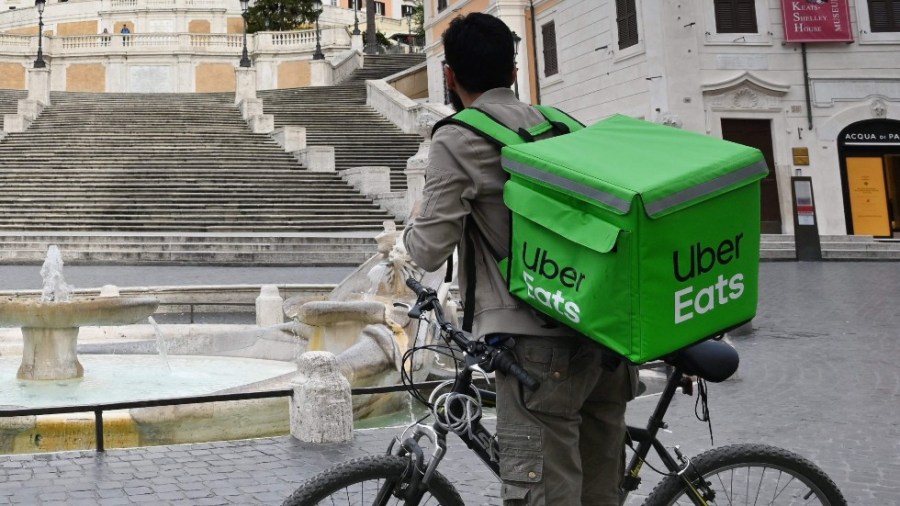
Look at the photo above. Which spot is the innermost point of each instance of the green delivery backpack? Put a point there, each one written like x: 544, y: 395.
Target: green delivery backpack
x: 642, y: 237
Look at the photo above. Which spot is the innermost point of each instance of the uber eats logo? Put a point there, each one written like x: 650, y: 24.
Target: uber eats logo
x: 542, y: 265
x: 700, y: 259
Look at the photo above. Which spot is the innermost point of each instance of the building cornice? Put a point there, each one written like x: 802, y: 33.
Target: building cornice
x: 770, y: 87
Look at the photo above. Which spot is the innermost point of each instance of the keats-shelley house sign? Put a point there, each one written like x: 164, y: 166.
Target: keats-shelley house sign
x: 816, y: 21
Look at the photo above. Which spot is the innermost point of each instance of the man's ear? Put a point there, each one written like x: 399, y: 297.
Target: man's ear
x: 450, y: 78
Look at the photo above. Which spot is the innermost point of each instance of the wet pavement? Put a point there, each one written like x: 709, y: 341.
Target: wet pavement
x: 819, y: 375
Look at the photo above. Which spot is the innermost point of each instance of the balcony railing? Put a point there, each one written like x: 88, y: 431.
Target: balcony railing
x: 181, y: 43
x: 156, y: 4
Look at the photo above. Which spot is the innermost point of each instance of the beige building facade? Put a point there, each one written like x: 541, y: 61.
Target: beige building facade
x: 826, y: 110
x: 171, y: 45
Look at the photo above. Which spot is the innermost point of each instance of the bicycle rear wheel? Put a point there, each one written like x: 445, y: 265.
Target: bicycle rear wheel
x: 360, y: 481
x: 749, y: 474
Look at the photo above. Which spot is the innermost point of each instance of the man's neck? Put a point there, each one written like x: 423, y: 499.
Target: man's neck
x: 467, y: 98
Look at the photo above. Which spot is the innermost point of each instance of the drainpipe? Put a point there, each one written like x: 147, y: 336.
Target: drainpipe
x: 534, y: 59
x: 809, y: 116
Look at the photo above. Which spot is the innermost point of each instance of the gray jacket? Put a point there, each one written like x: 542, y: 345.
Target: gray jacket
x: 464, y: 179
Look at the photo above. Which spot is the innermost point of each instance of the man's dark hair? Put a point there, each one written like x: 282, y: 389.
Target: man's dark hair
x: 480, y: 50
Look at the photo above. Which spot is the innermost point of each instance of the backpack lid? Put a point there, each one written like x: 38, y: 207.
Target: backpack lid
x: 614, y: 161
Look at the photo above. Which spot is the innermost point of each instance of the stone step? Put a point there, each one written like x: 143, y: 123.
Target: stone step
x: 843, y: 247
x: 210, y: 249
x: 186, y: 162
x: 175, y: 226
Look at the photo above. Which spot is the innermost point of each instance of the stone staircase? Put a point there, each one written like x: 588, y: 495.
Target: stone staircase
x: 9, y: 102
x: 309, y: 249
x: 171, y: 178
x: 834, y: 247
x: 338, y: 116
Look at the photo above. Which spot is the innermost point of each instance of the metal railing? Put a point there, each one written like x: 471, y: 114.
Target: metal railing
x: 192, y: 305
x: 98, y: 409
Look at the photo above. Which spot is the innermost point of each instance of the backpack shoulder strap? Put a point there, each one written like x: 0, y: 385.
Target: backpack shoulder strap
x: 554, y: 115
x: 483, y: 124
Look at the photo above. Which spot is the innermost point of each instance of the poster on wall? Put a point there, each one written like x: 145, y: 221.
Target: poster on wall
x: 868, y: 198
x: 816, y: 21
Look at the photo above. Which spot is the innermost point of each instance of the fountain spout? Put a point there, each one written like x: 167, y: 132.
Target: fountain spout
x: 50, y: 325
x: 55, y: 288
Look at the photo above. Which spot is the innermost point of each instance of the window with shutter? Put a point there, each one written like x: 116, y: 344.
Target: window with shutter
x: 735, y: 16
x: 626, y: 20
x: 380, y: 8
x: 442, y: 4
x: 884, y: 15
x: 548, y: 37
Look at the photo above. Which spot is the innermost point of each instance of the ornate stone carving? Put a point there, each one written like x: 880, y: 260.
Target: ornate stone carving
x: 879, y: 109
x: 745, y: 98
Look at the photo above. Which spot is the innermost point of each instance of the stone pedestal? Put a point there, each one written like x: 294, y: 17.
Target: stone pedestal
x: 49, y: 354
x: 317, y: 158
x: 268, y: 307
x: 321, y: 73
x: 250, y: 107
x: 321, y: 407
x: 415, y: 175
x: 291, y: 138
x: 39, y: 85
x: 31, y: 109
x: 356, y: 42
x: 13, y: 123
x: 262, y: 123
x: 369, y: 180
x: 245, y: 84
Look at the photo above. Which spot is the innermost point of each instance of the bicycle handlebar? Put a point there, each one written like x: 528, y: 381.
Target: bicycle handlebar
x: 494, y: 358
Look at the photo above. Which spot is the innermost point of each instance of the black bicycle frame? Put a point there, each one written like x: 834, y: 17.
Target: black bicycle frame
x: 485, y: 445
x: 646, y: 437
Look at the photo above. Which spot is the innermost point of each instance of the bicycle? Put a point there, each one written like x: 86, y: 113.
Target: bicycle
x: 736, y: 474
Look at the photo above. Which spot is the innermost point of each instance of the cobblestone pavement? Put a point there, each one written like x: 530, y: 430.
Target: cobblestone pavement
x: 818, y: 376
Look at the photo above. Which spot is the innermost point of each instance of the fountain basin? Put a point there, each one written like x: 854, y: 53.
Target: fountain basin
x: 33, y: 313
x: 50, y: 330
x: 135, y: 377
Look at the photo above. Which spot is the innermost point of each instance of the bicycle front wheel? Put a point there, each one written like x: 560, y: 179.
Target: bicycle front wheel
x: 749, y: 474
x: 369, y: 481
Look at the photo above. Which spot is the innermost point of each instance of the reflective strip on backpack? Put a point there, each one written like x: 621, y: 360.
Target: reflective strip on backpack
x: 608, y: 199
x: 712, y: 186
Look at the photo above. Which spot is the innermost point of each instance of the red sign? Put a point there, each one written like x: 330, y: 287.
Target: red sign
x: 816, y: 21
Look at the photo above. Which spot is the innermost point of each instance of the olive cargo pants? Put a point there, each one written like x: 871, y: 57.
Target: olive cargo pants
x: 564, y: 444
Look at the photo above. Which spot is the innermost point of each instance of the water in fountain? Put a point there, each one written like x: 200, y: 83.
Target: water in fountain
x: 161, y: 346
x: 55, y: 288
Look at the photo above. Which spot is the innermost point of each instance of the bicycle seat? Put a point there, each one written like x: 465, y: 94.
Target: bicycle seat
x: 713, y: 361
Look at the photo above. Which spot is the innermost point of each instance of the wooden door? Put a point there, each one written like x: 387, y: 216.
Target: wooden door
x: 757, y: 133
x: 868, y: 196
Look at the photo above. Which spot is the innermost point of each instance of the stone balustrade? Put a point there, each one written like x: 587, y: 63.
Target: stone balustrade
x: 173, y: 43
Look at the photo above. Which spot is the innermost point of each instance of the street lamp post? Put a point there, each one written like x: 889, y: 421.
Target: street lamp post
x: 317, y: 55
x: 409, y: 31
x: 39, y: 62
x: 516, y: 40
x: 356, y: 17
x: 245, y: 58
